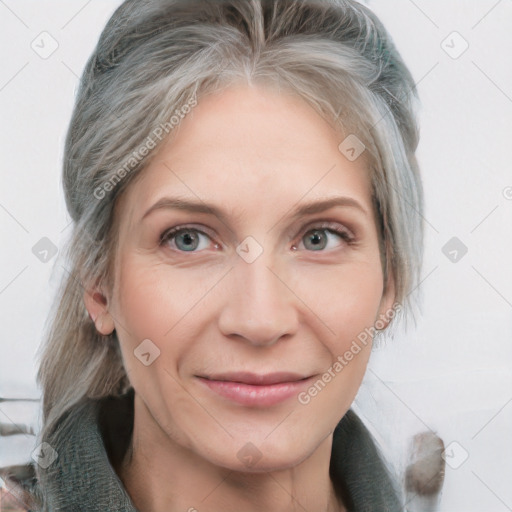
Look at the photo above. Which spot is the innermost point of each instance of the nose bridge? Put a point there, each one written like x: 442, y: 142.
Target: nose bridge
x: 259, y: 307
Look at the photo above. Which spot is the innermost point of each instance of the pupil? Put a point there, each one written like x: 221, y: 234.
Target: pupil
x: 316, y: 240
x: 188, y: 241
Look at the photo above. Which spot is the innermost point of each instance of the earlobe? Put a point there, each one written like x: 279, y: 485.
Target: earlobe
x: 105, y: 324
x: 96, y: 305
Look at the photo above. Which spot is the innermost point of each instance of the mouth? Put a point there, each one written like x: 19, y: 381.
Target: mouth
x: 253, y: 389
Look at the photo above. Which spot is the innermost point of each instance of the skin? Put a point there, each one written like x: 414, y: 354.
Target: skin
x: 255, y: 154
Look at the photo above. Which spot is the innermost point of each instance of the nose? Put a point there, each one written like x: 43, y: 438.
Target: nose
x: 259, y: 307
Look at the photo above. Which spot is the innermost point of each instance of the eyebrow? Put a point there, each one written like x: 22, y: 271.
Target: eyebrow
x: 177, y: 203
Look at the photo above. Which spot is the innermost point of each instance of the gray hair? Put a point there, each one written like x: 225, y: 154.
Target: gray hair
x: 151, y: 58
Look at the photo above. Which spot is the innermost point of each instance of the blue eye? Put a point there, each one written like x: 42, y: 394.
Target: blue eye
x: 186, y: 239
x: 319, y: 238
x: 323, y: 238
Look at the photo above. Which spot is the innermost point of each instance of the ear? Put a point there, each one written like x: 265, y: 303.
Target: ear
x: 386, y: 310
x: 96, y: 304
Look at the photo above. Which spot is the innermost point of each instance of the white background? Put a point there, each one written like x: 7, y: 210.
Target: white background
x: 452, y: 373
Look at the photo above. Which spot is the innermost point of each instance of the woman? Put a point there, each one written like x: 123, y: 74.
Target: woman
x: 240, y: 175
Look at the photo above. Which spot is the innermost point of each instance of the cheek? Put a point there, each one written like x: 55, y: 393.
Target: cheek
x: 144, y: 304
x: 147, y: 307
x: 154, y: 298
x: 348, y: 305
x: 155, y: 302
x: 143, y: 309
x: 346, y: 300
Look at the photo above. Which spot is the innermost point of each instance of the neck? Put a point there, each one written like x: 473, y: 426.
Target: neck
x: 161, y: 475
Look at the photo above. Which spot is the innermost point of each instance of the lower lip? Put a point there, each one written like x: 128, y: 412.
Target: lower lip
x: 263, y: 396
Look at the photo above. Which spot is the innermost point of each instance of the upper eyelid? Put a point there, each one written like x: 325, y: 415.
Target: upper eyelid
x: 184, y: 227
x: 324, y: 224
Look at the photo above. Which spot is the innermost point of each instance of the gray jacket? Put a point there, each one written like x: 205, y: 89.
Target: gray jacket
x: 93, y: 437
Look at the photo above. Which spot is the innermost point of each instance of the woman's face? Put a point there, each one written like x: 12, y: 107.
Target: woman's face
x: 275, y: 268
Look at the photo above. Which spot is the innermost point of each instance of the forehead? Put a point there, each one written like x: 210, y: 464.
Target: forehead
x: 253, y: 148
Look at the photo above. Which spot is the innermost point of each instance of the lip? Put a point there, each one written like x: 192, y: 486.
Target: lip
x: 253, y: 389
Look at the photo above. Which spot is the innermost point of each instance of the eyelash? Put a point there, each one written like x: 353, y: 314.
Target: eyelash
x: 331, y: 227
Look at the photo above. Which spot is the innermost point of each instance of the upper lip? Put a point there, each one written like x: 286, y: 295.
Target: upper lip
x: 256, y: 379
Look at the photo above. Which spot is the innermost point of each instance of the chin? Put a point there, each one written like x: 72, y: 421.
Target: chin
x: 258, y: 455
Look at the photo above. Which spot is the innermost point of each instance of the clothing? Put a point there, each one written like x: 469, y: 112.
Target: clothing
x: 96, y: 433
